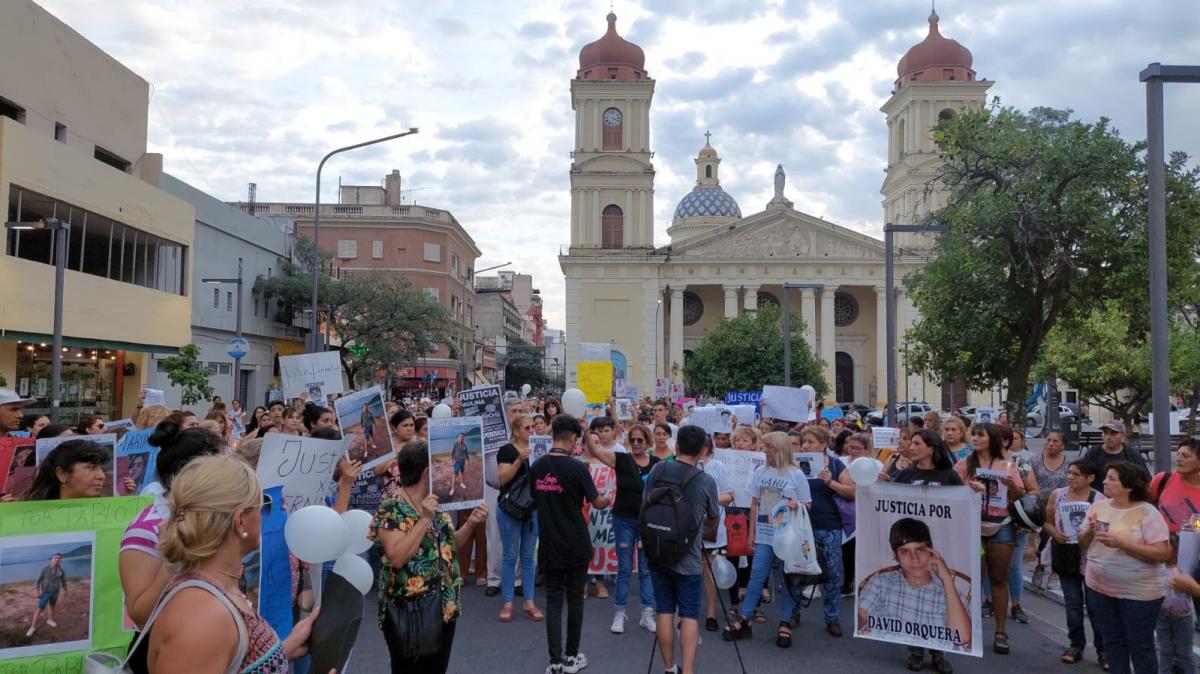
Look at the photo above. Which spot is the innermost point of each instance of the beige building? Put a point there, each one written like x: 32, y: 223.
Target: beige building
x: 73, y: 147
x: 653, y: 304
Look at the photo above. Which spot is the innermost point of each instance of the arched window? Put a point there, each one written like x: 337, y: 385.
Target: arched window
x: 613, y: 122
x: 900, y: 140
x: 708, y: 171
x: 612, y: 227
x: 946, y: 114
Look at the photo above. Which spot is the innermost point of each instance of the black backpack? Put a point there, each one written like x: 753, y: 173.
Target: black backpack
x: 667, y: 523
x: 517, y: 500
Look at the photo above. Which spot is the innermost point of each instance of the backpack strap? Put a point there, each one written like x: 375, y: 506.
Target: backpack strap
x: 243, y: 640
x: 1162, y: 486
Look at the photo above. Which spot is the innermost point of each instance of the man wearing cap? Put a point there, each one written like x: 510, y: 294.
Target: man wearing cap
x: 1113, y: 449
x: 11, y: 405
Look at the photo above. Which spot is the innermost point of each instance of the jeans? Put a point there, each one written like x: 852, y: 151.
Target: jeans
x: 760, y: 575
x: 831, y: 562
x: 434, y: 663
x: 1016, y: 569
x: 560, y: 582
x: 625, y: 530
x: 1128, y: 629
x: 519, y: 538
x: 1175, y: 644
x: 1073, y: 597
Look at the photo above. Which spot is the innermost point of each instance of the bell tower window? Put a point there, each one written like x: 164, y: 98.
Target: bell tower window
x: 612, y: 227
x: 708, y: 171
x: 613, y: 121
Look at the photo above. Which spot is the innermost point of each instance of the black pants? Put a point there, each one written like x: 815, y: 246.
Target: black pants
x: 434, y: 663
x: 557, y: 583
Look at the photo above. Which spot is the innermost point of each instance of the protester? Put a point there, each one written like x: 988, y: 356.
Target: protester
x: 745, y: 438
x: 418, y: 557
x: 1176, y: 623
x: 150, y: 416
x: 678, y: 588
x: 315, y: 416
x: 1177, y: 493
x: 830, y: 483
x: 779, y: 481
x: 1019, y: 454
x: 631, y: 470
x: 1065, y: 511
x: 519, y: 537
x: 74, y: 469
x: 54, y: 431
x: 255, y: 421
x: 551, y: 408
x: 1127, y: 542
x: 32, y: 423
x: 603, y: 475
x: 292, y: 423
x: 11, y: 405
x: 1112, y: 449
x: 215, y: 505
x: 186, y: 419
x: 662, y: 411
x: 954, y: 434
x: 715, y: 469
x: 89, y: 425
x: 560, y: 485
x: 664, y: 441
x: 857, y: 446
x: 1050, y: 469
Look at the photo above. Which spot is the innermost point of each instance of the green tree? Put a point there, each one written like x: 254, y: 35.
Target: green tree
x: 746, y: 352
x: 185, y: 370
x: 1042, y: 213
x: 523, y: 365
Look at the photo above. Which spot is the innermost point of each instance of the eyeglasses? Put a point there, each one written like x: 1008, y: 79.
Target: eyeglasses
x: 527, y: 428
x: 637, y: 441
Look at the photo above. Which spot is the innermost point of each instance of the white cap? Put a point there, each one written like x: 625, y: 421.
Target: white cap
x: 9, y: 397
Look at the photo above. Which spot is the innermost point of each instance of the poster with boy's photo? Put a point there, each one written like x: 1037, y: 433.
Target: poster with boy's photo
x: 810, y: 463
x: 106, y: 440
x: 539, y: 446
x: 363, y: 415
x: 624, y: 409
x: 917, y: 567
x: 46, y: 593
x: 456, y: 462
x: 595, y: 411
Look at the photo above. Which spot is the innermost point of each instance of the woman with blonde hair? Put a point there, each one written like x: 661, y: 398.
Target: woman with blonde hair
x: 954, y: 434
x: 745, y: 438
x: 205, y: 623
x: 518, y: 535
x: 150, y: 416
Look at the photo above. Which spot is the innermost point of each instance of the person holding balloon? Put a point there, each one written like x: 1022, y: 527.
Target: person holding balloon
x: 419, y: 546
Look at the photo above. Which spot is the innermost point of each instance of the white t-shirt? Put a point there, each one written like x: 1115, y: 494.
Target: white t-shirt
x: 716, y: 470
x: 770, y: 487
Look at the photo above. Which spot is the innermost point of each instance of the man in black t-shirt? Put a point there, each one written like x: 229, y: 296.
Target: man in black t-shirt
x: 561, y: 484
x: 1114, y: 449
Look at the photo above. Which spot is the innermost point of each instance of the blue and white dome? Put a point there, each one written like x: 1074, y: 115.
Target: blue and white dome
x: 707, y: 202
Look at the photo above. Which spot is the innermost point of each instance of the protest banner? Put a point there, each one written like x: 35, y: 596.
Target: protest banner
x: 885, y: 438
x: 739, y: 466
x: 787, y: 403
x: 600, y: 523
x: 363, y: 415
x: 539, y: 446
x: 595, y: 352
x: 18, y: 463
x: 317, y: 374
x: 742, y: 398
x: 595, y: 380
x: 662, y: 386
x: 88, y: 607
x: 487, y: 403
x: 303, y: 467
x: 917, y: 567
x: 456, y: 462
x: 106, y: 440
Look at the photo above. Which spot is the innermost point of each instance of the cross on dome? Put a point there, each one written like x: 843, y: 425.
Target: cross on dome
x: 707, y: 138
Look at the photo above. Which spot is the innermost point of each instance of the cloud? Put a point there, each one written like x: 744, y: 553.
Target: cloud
x: 538, y: 29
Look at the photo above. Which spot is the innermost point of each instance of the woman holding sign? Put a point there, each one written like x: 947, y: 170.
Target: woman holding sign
x: 518, y: 531
x: 832, y: 480
x: 1065, y: 513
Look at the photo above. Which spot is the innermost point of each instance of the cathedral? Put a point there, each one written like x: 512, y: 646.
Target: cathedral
x: 653, y: 304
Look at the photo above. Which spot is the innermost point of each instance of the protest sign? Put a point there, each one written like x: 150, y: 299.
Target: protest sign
x: 786, y: 402
x: 363, y: 415
x: 90, y: 604
x: 676, y: 391
x: 303, y: 467
x: 135, y: 451
x: 106, y: 440
x: 595, y: 352
x: 986, y: 415
x: 917, y: 567
x: 116, y: 425
x: 621, y: 388
x: 994, y: 487
x: 539, y: 446
x: 600, y: 523
x: 739, y: 466
x: 595, y: 411
x: 662, y: 386
x: 155, y: 397
x: 595, y: 380
x: 487, y: 403
x: 624, y: 409
x: 317, y: 374
x: 456, y: 462
x: 885, y: 438
x: 18, y: 463
x: 810, y: 463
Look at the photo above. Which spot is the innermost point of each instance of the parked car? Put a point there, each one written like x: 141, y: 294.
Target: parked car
x: 1066, y: 411
x: 859, y: 408
x: 905, y: 410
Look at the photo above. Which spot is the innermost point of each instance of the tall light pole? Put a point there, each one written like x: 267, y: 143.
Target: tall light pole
x: 59, y: 231
x: 889, y: 300
x: 237, y: 360
x: 1154, y: 75
x: 313, y: 335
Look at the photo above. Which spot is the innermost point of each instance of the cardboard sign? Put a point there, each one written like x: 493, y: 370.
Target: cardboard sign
x: 595, y: 352
x: 362, y: 415
x: 621, y: 388
x: 317, y: 374
x: 662, y: 387
x: 600, y: 523
x: 155, y: 397
x: 788, y: 403
x: 595, y: 380
x: 303, y: 467
x: 885, y: 438
x: 739, y: 466
x: 456, y: 464
x: 624, y: 409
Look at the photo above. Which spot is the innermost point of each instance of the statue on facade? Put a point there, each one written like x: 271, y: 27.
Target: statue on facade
x: 780, y: 179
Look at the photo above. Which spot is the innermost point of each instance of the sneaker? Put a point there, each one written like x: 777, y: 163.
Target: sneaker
x: 574, y: 663
x: 30, y: 632
x: 1039, y: 578
x: 649, y: 620
x: 1019, y: 614
x: 618, y: 623
x: 673, y: 670
x: 554, y: 668
x: 51, y: 623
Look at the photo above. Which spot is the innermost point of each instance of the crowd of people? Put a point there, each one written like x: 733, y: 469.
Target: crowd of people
x: 1110, y: 533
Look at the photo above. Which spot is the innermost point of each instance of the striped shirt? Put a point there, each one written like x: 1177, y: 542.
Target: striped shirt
x: 142, y: 532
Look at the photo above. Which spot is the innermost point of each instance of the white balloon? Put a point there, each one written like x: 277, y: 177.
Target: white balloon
x: 723, y: 573
x: 315, y: 534
x: 808, y: 394
x: 357, y: 522
x: 865, y: 471
x: 525, y: 388
x: 442, y: 411
x: 355, y: 570
x: 574, y: 403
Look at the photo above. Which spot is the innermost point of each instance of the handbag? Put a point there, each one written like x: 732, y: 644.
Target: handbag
x: 517, y: 499
x: 737, y: 533
x: 806, y: 570
x: 413, y: 626
x: 100, y: 662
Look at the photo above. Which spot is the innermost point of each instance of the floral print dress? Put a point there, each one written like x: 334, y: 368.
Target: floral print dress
x: 434, y: 560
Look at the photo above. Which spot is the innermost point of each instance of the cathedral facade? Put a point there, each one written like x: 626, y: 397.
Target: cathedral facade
x: 653, y: 304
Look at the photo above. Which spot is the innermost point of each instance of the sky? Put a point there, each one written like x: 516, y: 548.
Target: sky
x: 258, y: 91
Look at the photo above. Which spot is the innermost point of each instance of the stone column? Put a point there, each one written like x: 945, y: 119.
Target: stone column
x: 594, y: 229
x: 880, y: 345
x: 750, y: 302
x: 627, y: 232
x: 676, y: 335
x: 808, y: 313
x: 828, y: 348
x: 731, y: 303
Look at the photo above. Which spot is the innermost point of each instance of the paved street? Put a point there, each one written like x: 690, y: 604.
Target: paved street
x: 485, y: 646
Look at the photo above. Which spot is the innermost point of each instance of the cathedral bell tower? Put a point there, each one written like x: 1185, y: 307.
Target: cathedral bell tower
x: 612, y: 179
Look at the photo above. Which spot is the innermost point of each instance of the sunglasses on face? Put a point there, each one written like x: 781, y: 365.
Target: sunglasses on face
x: 637, y: 441
x: 528, y: 428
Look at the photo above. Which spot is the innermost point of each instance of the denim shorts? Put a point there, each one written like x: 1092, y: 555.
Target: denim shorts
x: 459, y: 466
x: 50, y: 598
x: 1006, y: 535
x: 677, y: 593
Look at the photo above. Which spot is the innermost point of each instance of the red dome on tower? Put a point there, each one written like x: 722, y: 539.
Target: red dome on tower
x: 936, y: 59
x: 612, y: 57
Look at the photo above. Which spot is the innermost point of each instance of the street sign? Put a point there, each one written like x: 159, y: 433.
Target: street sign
x: 238, y: 347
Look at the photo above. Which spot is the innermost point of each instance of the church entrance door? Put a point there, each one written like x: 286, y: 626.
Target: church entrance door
x: 844, y: 375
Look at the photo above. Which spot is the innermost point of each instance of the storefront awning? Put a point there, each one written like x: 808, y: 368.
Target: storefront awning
x: 85, y: 343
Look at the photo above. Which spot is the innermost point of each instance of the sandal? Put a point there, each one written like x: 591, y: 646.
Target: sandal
x: 600, y: 590
x: 1000, y: 643
x: 1018, y: 614
x: 533, y: 614
x: 1071, y: 656
x: 759, y: 616
x: 783, y: 637
x: 915, y: 661
x: 736, y: 631
x: 506, y: 614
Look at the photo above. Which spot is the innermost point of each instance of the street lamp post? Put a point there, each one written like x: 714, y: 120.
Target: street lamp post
x: 889, y: 300
x: 237, y: 361
x: 1154, y: 76
x: 315, y: 336
x: 59, y: 230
